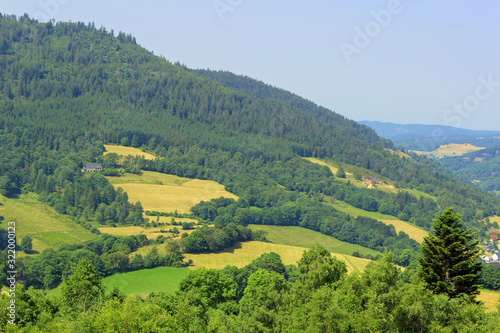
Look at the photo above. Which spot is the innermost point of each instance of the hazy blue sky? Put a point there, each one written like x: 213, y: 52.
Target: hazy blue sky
x: 433, y: 62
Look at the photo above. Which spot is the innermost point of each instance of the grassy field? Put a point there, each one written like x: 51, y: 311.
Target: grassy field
x: 495, y: 219
x: 297, y: 236
x: 146, y: 281
x: 243, y: 253
x: 412, y: 231
x: 167, y: 193
x: 493, y: 230
x: 490, y: 299
x: 124, y: 151
x: 42, y: 223
x: 452, y: 149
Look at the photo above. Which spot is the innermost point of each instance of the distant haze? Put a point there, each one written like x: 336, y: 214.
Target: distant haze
x: 426, y: 62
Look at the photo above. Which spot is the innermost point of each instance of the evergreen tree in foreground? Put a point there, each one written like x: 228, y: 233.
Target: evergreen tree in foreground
x: 450, y: 262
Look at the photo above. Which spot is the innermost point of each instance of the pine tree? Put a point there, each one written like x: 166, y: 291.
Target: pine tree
x: 450, y: 262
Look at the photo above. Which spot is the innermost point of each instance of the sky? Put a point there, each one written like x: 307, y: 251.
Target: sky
x: 401, y: 61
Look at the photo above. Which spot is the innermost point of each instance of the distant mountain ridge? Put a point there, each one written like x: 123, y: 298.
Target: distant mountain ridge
x: 430, y: 137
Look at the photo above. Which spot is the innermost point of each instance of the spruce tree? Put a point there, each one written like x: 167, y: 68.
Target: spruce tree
x: 450, y: 262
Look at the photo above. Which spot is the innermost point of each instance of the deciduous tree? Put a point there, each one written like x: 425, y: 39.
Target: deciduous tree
x: 83, y: 287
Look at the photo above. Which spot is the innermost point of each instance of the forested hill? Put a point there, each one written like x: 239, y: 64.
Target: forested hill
x: 264, y: 91
x: 127, y: 90
x: 66, y: 88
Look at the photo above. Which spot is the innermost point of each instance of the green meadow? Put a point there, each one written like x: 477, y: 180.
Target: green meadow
x: 42, y: 223
x: 145, y: 281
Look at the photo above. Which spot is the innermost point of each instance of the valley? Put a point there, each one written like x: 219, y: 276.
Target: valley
x: 215, y: 202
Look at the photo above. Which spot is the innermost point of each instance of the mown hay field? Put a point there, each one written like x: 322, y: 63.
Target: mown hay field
x: 243, y: 253
x: 124, y: 151
x: 168, y: 193
x: 490, y: 299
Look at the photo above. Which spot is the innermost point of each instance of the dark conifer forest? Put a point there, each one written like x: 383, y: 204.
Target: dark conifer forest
x: 66, y: 89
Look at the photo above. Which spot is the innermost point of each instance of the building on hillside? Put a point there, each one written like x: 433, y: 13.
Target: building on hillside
x: 493, y: 237
x: 92, y: 167
x: 494, y: 257
x: 371, y: 181
x: 486, y: 259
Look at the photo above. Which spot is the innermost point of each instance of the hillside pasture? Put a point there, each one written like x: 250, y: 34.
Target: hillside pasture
x: 125, y: 151
x: 384, y: 185
x: 494, y: 230
x: 301, y: 237
x: 495, y: 219
x: 413, y: 231
x: 146, y: 281
x: 452, y: 149
x: 168, y: 193
x: 244, y: 253
x: 42, y: 223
